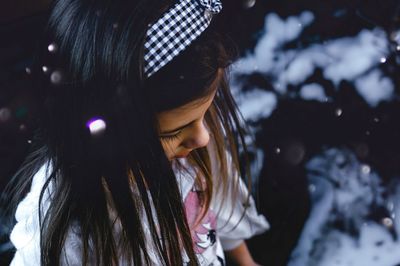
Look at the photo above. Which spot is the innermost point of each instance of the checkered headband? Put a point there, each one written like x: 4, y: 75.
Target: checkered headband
x: 177, y: 28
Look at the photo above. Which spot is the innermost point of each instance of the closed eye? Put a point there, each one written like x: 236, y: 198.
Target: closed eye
x: 170, y: 137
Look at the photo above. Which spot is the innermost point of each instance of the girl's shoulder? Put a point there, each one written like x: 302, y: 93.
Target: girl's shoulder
x: 25, y: 235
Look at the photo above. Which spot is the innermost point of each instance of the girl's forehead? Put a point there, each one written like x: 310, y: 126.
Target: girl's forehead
x: 199, y: 103
x: 193, y: 106
x: 183, y: 115
x: 196, y: 105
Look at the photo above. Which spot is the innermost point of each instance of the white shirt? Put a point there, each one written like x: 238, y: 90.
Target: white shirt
x: 222, y: 228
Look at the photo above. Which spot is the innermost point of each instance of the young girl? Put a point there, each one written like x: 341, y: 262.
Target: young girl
x: 136, y: 158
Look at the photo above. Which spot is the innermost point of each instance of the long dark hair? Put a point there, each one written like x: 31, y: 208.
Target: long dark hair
x: 95, y: 70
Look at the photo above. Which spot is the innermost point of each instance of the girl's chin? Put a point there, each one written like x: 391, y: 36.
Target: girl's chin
x: 180, y: 155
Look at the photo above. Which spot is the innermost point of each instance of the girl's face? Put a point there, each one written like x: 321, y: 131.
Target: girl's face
x: 183, y: 129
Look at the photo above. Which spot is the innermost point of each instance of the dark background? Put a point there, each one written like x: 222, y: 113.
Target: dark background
x: 295, y: 124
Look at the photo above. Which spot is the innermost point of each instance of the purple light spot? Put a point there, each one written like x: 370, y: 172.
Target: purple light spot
x: 96, y: 126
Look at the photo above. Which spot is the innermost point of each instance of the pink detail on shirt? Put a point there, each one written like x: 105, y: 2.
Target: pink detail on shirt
x: 203, y: 232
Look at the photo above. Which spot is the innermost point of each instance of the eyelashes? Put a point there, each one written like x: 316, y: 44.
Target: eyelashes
x: 171, y: 138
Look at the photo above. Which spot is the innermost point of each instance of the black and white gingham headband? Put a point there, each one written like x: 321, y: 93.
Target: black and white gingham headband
x: 177, y: 28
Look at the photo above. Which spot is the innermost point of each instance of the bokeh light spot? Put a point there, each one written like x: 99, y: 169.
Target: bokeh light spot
x: 5, y: 114
x: 56, y: 77
x: 52, y: 48
x: 96, y: 126
x: 338, y: 112
x: 388, y: 222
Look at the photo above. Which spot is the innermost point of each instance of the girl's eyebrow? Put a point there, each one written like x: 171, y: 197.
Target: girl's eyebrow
x: 176, y: 129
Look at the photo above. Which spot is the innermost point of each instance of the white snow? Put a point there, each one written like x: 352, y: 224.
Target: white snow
x: 256, y: 104
x: 341, y: 187
x: 354, y: 59
x: 345, y: 190
x: 375, y: 247
x: 313, y: 91
x: 267, y: 57
x: 375, y: 87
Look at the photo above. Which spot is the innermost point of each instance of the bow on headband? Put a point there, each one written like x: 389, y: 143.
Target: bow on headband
x: 213, y: 6
x: 176, y: 29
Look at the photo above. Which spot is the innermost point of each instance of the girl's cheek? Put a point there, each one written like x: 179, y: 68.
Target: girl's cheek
x: 170, y: 147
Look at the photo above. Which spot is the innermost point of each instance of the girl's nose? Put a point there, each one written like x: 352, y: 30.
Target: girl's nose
x: 198, y: 138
